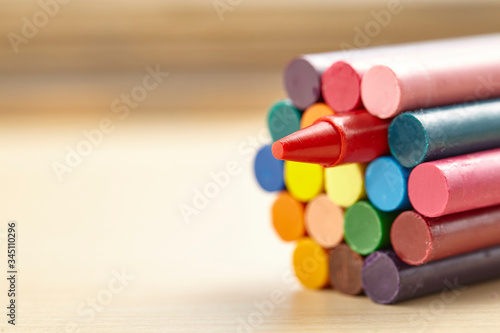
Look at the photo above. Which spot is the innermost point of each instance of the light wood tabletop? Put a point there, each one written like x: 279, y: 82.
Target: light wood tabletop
x: 108, y: 250
x: 103, y: 245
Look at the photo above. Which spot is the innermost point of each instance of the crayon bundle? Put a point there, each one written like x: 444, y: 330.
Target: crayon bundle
x: 386, y: 165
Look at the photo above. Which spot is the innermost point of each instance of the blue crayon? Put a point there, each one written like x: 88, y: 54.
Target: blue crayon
x: 386, y: 184
x: 268, y: 170
x: 437, y: 133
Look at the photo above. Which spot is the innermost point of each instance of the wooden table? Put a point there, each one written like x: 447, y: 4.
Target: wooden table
x: 119, y: 210
x: 117, y: 213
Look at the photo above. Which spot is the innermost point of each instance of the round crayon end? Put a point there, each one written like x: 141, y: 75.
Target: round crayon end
x: 313, y: 113
x: 386, y: 184
x: 324, y: 221
x: 340, y: 86
x: 302, y: 83
x: 283, y: 119
x: 408, y: 140
x: 277, y: 150
x: 380, y: 276
x: 288, y: 217
x: 304, y: 181
x: 429, y: 190
x: 411, y: 238
x: 268, y: 170
x: 381, y: 92
x: 345, y: 270
x: 310, y: 262
x: 367, y: 229
x: 344, y: 184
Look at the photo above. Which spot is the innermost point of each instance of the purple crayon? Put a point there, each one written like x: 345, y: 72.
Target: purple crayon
x: 387, y: 279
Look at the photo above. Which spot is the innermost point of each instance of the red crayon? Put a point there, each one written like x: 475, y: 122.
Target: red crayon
x: 418, y: 239
x: 353, y: 137
x: 455, y: 184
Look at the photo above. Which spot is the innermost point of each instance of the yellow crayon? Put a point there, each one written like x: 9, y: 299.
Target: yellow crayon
x: 345, y: 184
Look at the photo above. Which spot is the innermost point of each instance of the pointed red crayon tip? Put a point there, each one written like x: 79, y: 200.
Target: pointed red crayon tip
x: 348, y: 137
x: 278, y: 150
x: 318, y: 143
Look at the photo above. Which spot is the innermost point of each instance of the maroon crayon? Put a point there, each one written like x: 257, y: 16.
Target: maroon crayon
x: 387, y: 279
x: 345, y: 270
x: 417, y: 239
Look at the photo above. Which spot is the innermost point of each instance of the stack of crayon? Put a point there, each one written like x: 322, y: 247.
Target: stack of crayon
x: 386, y: 164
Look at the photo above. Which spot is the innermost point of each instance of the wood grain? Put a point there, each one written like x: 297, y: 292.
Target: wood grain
x: 107, y: 37
x: 119, y: 209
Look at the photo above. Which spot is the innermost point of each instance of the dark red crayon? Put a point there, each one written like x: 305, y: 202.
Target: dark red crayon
x: 417, y: 239
x: 352, y: 137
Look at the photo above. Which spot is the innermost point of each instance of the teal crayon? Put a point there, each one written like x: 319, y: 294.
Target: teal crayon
x: 437, y: 133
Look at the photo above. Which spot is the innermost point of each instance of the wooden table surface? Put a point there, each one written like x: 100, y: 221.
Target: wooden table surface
x: 107, y: 249
x: 118, y: 214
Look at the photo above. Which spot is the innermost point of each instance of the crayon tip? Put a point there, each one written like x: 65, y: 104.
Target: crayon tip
x: 278, y: 150
x: 318, y: 144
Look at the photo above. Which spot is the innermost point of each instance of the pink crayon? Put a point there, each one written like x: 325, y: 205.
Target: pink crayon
x: 306, y: 83
x: 410, y: 84
x: 456, y: 184
x: 341, y: 82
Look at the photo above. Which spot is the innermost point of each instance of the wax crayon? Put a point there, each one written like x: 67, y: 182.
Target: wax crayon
x: 302, y: 76
x: 288, y: 217
x: 304, y: 181
x: 313, y: 113
x: 429, y: 82
x: 432, y: 134
x: 350, y: 137
x: 283, y: 119
x: 324, y: 221
x: 417, y: 239
x: 367, y: 229
x: 456, y: 184
x: 345, y: 184
x: 340, y: 87
x: 387, y: 279
x: 341, y: 82
x: 386, y: 183
x: 310, y: 262
x: 345, y: 270
x: 268, y: 171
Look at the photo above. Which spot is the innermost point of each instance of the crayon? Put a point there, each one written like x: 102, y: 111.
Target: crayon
x: 367, y: 229
x: 350, y: 137
x: 340, y: 87
x: 313, y: 113
x: 268, y: 171
x: 302, y: 75
x: 456, y: 184
x: 324, y: 221
x: 341, y: 82
x: 345, y: 184
x: 386, y: 183
x: 417, y: 239
x: 387, y: 279
x: 283, y: 119
x: 288, y: 217
x: 411, y: 85
x: 310, y: 262
x: 304, y: 181
x: 345, y: 270
x: 437, y: 133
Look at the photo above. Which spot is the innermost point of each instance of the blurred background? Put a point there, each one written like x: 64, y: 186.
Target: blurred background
x: 104, y: 161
